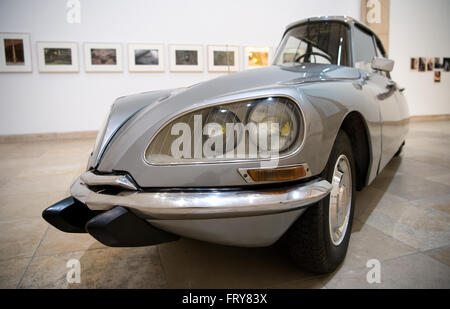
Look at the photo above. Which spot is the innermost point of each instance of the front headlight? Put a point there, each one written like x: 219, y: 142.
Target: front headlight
x: 284, y: 115
x: 246, y: 130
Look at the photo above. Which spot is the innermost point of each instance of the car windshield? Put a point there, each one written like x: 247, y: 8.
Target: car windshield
x: 314, y: 42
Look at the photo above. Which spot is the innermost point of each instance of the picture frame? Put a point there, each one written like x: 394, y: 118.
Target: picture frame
x: 186, y: 58
x: 437, y: 76
x: 223, y: 58
x: 430, y: 64
x: 422, y: 64
x: 57, y: 56
x: 144, y: 57
x: 437, y: 63
x: 15, y: 52
x: 446, y: 64
x: 413, y: 63
x: 257, y: 57
x: 103, y: 57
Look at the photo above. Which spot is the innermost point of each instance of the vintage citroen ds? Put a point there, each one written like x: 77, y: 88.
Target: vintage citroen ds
x: 251, y: 158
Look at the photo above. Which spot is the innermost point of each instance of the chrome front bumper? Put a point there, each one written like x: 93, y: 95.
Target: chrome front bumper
x: 202, y: 204
x: 248, y: 218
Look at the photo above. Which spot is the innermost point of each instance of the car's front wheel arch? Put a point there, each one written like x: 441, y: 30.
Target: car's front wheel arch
x: 355, y: 126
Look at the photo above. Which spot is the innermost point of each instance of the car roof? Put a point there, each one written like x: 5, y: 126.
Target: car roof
x: 339, y: 18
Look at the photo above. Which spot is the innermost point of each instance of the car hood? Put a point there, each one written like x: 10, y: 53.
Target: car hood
x: 237, y: 86
x: 273, y: 76
x: 230, y: 84
x: 146, y: 112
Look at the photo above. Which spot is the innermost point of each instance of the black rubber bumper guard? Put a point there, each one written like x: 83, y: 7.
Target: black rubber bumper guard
x: 117, y: 227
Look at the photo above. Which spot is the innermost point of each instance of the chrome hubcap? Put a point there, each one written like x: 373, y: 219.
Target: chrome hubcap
x: 340, y: 200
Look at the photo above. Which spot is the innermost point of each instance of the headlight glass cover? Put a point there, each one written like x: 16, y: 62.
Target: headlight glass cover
x: 253, y: 129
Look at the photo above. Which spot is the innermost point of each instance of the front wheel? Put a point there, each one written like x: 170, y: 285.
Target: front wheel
x: 318, y: 240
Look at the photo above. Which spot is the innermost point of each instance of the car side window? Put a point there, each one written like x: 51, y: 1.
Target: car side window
x: 364, y: 50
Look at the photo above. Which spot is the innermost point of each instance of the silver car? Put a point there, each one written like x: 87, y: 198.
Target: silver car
x: 251, y: 158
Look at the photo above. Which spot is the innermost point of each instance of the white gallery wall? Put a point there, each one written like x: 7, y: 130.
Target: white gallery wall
x: 421, y: 28
x: 66, y: 102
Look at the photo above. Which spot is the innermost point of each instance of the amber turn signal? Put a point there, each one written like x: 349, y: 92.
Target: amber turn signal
x: 278, y: 174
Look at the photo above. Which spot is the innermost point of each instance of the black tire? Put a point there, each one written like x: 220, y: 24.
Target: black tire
x: 308, y: 240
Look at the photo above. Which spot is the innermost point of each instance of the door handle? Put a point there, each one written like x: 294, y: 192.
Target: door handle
x: 364, y: 77
x: 390, y: 85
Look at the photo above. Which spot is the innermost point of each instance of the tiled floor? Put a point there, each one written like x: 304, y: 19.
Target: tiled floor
x: 402, y: 219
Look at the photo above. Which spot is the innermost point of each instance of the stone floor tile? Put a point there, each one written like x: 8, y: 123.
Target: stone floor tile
x: 11, y: 272
x: 194, y: 264
x: 410, y: 271
x: 21, y: 237
x: 101, y: 268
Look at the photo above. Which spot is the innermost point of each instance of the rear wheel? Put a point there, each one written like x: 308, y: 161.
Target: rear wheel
x: 318, y: 240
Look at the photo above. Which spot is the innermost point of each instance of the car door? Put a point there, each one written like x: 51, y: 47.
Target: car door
x: 393, y: 111
x: 383, y: 93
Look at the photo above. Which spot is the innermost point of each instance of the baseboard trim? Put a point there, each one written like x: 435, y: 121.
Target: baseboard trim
x: 430, y: 117
x: 47, y: 136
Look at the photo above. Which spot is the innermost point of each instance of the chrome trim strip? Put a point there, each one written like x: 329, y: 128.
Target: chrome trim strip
x: 318, y: 80
x: 123, y: 181
x: 244, y: 98
x: 244, y: 171
x: 196, y: 205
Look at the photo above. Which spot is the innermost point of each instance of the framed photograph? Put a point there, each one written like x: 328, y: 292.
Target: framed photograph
x: 145, y: 57
x: 437, y: 76
x: 57, y: 56
x: 223, y: 58
x: 422, y: 64
x: 446, y: 64
x: 430, y: 64
x: 413, y: 64
x: 15, y: 54
x: 186, y: 58
x: 257, y: 57
x: 437, y: 63
x: 103, y: 57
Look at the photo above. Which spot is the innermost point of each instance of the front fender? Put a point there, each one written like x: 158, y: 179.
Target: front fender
x: 332, y: 103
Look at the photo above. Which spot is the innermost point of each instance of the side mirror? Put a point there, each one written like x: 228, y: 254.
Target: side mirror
x: 382, y: 64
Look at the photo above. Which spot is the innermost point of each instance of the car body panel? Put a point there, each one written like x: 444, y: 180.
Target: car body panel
x: 257, y: 231
x: 393, y: 117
